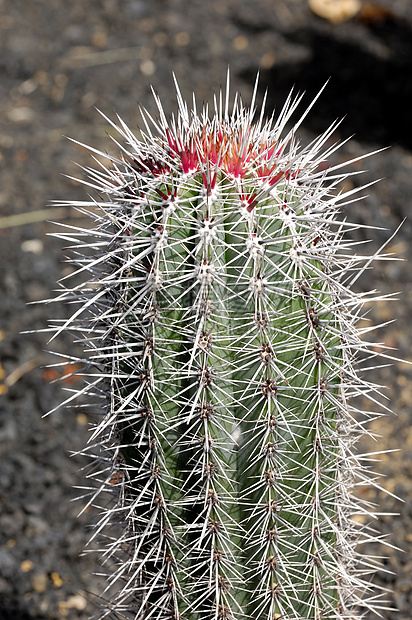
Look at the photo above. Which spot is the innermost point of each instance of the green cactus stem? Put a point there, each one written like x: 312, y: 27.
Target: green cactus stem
x: 220, y: 331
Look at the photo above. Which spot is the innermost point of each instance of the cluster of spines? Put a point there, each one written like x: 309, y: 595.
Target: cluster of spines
x: 222, y: 334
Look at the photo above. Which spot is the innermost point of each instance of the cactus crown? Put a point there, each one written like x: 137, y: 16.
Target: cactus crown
x: 222, y: 347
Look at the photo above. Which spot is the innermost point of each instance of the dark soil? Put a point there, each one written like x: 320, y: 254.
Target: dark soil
x: 58, y: 61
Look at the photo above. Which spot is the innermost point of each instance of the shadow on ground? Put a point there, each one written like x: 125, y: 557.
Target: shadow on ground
x: 372, y: 84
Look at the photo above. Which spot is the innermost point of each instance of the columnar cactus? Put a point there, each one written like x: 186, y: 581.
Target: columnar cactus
x: 220, y: 335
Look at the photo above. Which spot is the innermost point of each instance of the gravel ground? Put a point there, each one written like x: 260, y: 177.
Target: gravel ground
x: 60, y: 60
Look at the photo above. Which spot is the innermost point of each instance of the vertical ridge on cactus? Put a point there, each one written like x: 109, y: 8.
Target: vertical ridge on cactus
x: 221, y: 354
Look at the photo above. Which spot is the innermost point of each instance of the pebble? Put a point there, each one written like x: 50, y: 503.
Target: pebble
x: 26, y: 566
x: 21, y: 115
x: 335, y: 11
x: 5, y: 586
x: 8, y: 433
x: 7, y: 563
x: 39, y: 582
x: 36, y: 526
x: 35, y: 246
x: 74, y: 602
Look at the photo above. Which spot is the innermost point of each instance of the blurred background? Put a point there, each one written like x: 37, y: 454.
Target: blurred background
x: 58, y: 60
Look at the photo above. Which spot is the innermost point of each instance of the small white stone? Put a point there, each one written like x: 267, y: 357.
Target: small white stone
x: 32, y: 245
x: 76, y: 601
x: 147, y: 67
x: 21, y: 115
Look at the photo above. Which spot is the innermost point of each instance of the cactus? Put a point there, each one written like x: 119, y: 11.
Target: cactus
x: 221, y: 357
